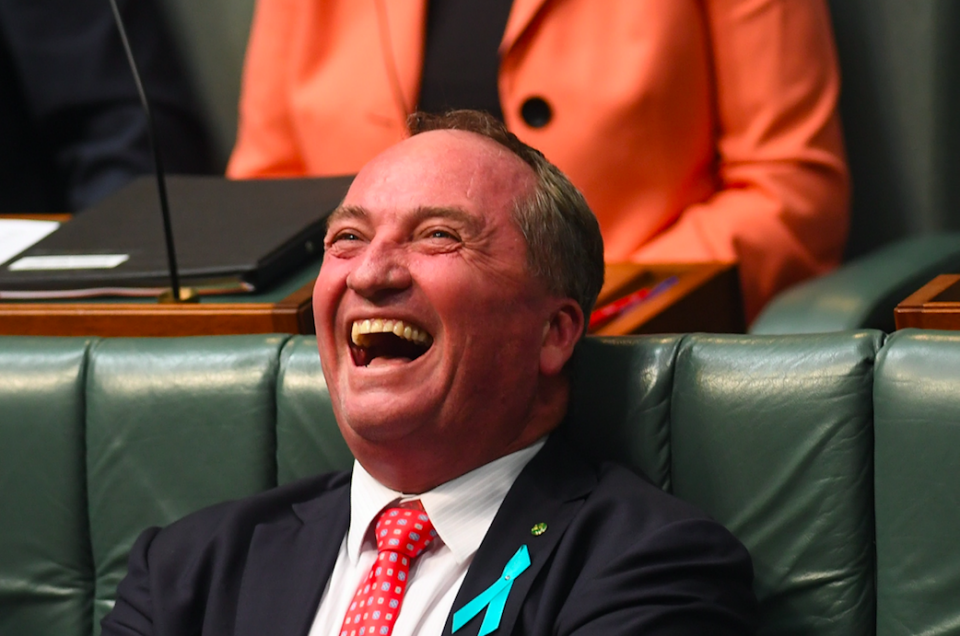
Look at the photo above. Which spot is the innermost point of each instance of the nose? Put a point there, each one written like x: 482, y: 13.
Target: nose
x: 381, y: 270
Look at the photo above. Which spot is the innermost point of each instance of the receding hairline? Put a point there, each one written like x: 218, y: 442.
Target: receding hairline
x: 527, y: 173
x: 496, y: 147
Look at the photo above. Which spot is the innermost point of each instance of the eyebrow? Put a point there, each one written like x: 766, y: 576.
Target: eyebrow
x: 344, y: 212
x: 473, y: 223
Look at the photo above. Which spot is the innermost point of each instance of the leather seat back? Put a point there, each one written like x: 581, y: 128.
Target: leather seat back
x: 46, y: 574
x: 173, y: 425
x: 771, y: 435
x: 917, y: 420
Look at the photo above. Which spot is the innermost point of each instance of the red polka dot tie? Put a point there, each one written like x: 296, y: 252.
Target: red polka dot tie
x: 402, y: 534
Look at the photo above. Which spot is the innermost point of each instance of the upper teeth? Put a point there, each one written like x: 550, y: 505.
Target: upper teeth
x: 396, y: 327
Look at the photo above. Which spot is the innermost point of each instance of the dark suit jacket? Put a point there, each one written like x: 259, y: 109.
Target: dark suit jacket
x: 618, y: 557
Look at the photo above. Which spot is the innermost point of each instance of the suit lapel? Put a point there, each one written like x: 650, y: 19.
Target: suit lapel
x: 521, y: 16
x: 549, y: 491
x: 288, y: 566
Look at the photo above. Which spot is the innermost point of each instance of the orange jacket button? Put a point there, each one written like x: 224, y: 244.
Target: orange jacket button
x: 536, y: 112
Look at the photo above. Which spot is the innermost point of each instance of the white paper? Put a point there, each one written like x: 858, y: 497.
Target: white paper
x: 71, y: 261
x: 17, y: 235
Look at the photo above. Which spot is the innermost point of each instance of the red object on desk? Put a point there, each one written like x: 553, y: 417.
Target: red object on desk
x: 620, y: 305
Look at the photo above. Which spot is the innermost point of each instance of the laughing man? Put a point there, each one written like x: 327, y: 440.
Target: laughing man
x: 457, y: 275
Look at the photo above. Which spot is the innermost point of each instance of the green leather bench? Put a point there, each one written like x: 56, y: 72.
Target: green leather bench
x: 833, y: 457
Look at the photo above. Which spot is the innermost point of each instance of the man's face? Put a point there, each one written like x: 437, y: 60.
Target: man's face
x: 425, y: 256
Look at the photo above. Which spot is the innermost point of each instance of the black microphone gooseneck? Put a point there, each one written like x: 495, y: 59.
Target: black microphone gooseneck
x: 158, y: 163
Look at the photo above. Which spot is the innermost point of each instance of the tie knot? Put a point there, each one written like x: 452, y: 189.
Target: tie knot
x: 404, y: 531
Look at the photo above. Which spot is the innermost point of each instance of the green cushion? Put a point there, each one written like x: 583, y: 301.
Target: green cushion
x: 308, y: 438
x: 620, y: 403
x: 173, y: 425
x: 46, y: 583
x: 918, y: 484
x: 772, y: 436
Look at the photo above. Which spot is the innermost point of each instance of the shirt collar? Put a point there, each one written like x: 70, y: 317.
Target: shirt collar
x: 461, y: 509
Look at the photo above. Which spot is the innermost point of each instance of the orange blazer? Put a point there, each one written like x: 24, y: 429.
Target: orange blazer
x: 697, y: 129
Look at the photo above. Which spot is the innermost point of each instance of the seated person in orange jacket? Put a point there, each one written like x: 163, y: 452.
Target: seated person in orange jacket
x: 698, y: 130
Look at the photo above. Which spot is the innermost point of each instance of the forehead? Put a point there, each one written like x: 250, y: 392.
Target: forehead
x: 443, y: 168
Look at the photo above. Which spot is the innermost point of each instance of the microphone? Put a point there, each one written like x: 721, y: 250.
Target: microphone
x: 175, y: 294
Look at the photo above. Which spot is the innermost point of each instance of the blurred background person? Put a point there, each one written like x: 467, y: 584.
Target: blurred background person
x: 699, y: 130
x: 72, y: 129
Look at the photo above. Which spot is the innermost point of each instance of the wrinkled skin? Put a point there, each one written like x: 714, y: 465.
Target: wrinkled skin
x: 425, y: 235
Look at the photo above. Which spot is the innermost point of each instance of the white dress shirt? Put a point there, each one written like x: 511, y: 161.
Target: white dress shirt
x: 461, y: 511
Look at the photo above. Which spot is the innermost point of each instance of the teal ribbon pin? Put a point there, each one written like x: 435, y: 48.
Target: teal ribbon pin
x: 494, y: 598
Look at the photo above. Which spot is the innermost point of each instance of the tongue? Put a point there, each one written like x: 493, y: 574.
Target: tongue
x: 383, y: 361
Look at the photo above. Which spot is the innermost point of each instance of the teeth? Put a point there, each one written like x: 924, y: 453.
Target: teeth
x: 396, y: 327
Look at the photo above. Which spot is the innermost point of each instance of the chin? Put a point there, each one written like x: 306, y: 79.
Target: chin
x: 378, y: 430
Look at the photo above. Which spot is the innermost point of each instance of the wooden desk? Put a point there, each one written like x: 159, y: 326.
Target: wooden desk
x: 284, y: 309
x: 706, y: 297
x: 936, y: 305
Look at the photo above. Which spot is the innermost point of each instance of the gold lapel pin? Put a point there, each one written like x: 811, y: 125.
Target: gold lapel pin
x: 538, y: 529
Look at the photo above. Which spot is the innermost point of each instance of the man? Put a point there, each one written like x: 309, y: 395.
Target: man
x: 457, y: 276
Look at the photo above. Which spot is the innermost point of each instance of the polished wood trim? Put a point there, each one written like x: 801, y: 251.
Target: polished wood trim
x: 919, y: 310
x: 293, y: 314
x: 39, y: 216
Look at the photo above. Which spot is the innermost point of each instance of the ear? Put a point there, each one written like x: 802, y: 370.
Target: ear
x: 560, y: 335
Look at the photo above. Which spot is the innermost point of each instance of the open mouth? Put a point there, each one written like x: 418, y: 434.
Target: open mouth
x: 384, y: 339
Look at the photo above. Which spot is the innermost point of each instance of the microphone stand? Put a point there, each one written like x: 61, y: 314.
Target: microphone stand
x: 175, y: 294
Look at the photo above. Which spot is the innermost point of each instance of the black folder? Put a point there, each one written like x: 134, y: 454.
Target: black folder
x: 229, y: 236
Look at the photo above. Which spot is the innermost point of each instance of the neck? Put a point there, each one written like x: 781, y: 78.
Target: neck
x: 417, y: 465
